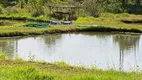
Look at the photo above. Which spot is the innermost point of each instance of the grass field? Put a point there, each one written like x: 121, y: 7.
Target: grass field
x: 109, y: 22
x: 21, y: 70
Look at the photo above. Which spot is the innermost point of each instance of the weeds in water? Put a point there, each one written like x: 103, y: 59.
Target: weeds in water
x: 18, y: 59
x: 31, y: 57
x: 2, y: 56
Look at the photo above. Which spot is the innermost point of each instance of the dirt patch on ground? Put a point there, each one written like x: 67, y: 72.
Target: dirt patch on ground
x: 3, y: 23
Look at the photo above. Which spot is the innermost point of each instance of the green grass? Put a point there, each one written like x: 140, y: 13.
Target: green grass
x: 23, y: 73
x: 21, y: 70
x: 24, y: 16
x: 110, y: 22
x: 113, y: 20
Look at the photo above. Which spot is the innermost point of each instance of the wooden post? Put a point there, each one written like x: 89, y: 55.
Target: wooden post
x: 78, y: 11
x: 50, y: 12
x: 137, y: 2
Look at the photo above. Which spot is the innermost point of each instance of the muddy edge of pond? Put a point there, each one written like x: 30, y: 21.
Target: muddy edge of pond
x: 35, y: 35
x: 132, y: 21
x: 9, y: 35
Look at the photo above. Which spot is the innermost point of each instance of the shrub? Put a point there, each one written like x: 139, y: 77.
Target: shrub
x: 13, y: 3
x: 92, y: 7
x: 114, y: 6
x: 13, y: 9
x: 23, y: 73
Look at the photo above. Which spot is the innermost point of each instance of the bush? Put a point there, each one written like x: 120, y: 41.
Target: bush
x: 13, y: 3
x: 114, y: 6
x: 11, y: 9
x: 92, y: 7
x: 38, y: 13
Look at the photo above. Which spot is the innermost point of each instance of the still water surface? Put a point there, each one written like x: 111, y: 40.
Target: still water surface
x: 101, y: 50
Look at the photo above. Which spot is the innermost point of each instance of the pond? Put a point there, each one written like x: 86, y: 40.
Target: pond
x: 100, y: 50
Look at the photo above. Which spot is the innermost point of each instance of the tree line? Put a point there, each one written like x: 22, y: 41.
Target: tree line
x: 88, y: 7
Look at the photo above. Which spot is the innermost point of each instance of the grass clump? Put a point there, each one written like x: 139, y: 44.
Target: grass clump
x: 2, y: 56
x: 22, y: 73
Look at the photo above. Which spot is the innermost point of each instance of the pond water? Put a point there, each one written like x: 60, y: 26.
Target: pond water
x: 101, y: 50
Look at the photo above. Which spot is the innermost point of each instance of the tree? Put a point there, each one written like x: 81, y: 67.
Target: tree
x: 137, y: 2
x: 93, y: 7
x: 37, y: 6
x: 124, y: 2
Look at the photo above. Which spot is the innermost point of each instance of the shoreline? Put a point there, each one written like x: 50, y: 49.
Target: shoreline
x: 75, y: 30
x: 110, y: 22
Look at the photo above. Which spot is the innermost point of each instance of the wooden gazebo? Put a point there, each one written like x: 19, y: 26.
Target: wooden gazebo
x: 60, y: 12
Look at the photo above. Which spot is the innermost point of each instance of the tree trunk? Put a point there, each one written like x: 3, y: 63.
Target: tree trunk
x: 124, y: 2
x: 137, y: 2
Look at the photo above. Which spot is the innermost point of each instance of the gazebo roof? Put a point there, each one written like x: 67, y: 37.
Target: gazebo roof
x: 62, y: 6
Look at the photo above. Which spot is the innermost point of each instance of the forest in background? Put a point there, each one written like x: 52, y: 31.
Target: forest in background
x: 40, y: 8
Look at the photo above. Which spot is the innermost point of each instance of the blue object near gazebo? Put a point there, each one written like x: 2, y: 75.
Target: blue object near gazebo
x: 54, y: 22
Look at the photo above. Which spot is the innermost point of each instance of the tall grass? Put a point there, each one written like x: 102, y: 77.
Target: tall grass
x: 21, y: 70
x: 23, y: 73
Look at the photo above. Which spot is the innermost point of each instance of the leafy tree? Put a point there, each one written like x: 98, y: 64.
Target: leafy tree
x: 93, y: 7
x: 114, y: 6
x: 37, y: 6
x: 138, y: 2
x: 124, y: 2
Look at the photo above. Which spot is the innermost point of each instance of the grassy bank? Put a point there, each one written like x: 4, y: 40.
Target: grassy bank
x: 24, y: 16
x: 109, y: 23
x: 21, y: 70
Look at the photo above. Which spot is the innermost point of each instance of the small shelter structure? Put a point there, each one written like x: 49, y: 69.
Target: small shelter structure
x: 61, y: 12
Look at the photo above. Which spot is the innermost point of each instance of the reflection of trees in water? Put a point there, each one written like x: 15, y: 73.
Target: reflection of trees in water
x: 8, y: 46
x: 97, y: 35
x: 126, y: 43
x: 51, y: 39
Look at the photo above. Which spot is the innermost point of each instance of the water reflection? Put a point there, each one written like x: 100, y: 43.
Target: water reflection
x: 51, y: 40
x: 126, y: 43
x: 97, y: 35
x: 105, y: 50
x: 42, y: 47
x: 9, y: 47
